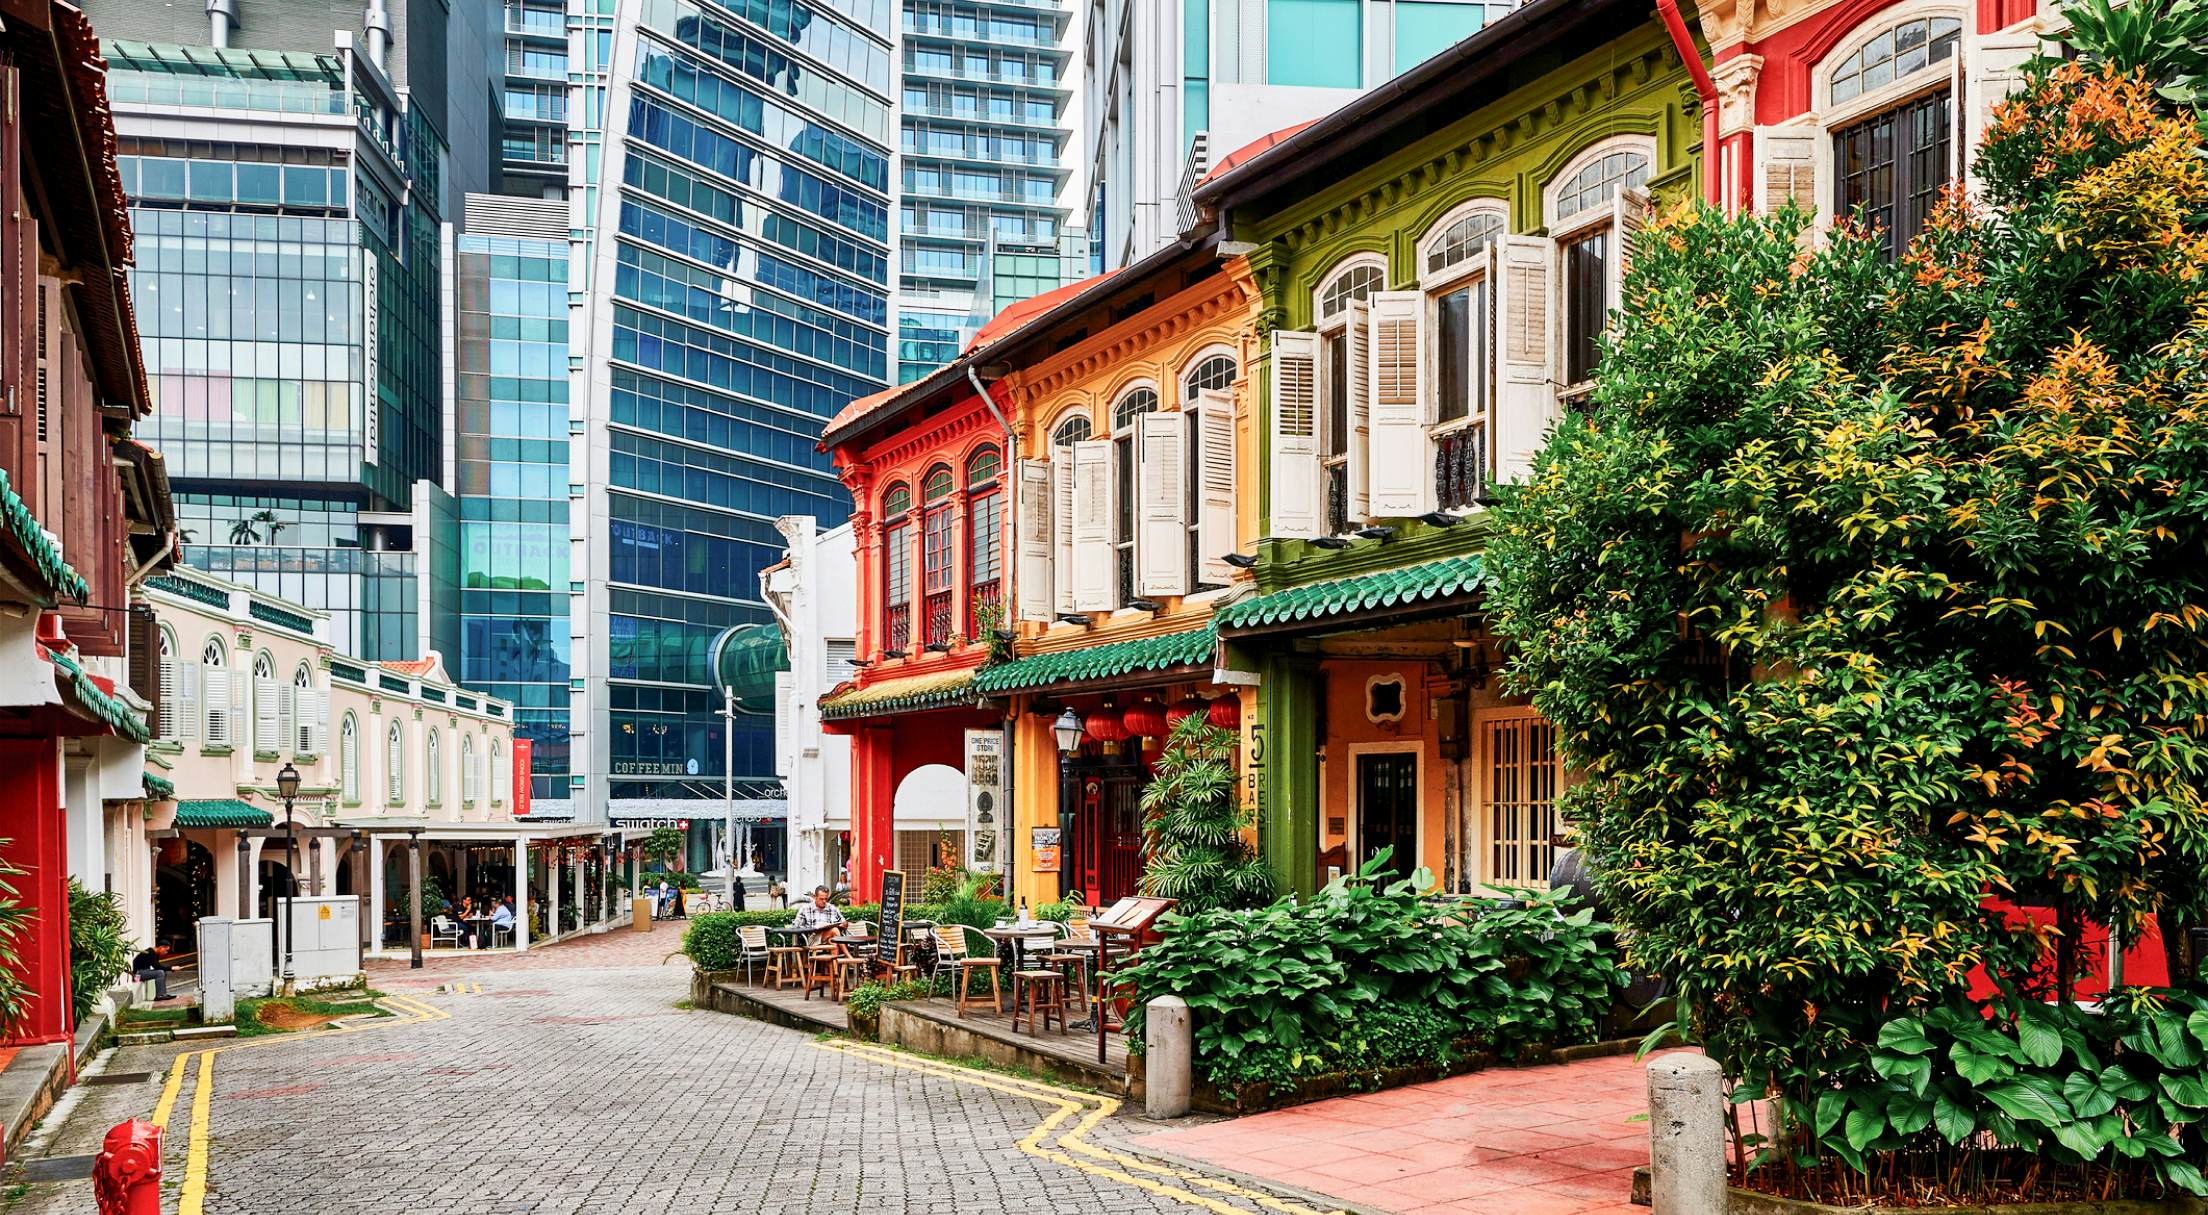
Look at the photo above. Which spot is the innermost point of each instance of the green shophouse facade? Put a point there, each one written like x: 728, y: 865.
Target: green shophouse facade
x: 1436, y: 261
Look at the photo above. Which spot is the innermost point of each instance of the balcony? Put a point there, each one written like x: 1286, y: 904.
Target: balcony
x: 898, y: 633
x: 937, y: 610
x: 984, y: 609
x: 1460, y: 467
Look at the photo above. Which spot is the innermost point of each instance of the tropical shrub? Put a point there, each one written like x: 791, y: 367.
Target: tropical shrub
x: 1861, y: 591
x: 1193, y: 821
x: 99, y: 946
x: 866, y: 1000
x: 710, y: 940
x: 15, y: 924
x: 664, y: 843
x: 1364, y: 975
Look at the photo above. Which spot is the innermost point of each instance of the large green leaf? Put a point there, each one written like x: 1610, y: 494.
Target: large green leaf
x: 1904, y: 1036
x: 1864, y: 1126
x: 2086, y: 1096
x: 1955, y: 1123
x: 2030, y: 1098
x: 2039, y: 1041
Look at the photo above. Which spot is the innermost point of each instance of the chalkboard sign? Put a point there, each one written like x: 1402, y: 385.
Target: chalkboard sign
x: 893, y: 912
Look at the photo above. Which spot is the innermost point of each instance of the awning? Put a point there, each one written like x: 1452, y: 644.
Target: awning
x: 1435, y: 583
x: 159, y: 788
x: 746, y: 660
x: 1087, y: 664
x: 912, y: 694
x: 221, y: 812
x: 89, y: 698
x: 39, y: 548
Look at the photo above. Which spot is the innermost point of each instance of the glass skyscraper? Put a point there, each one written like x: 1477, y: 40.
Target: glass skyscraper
x: 981, y: 221
x: 734, y: 294
x: 534, y: 100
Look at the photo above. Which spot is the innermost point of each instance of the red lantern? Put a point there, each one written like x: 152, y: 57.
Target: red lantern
x: 1144, y: 719
x: 1226, y: 713
x: 1104, y: 726
x: 1181, y: 709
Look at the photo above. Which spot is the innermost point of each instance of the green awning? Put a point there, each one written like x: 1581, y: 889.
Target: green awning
x: 159, y: 788
x: 221, y: 812
x: 97, y: 701
x: 748, y: 658
x: 1165, y: 652
x: 911, y: 694
x: 39, y: 544
x: 1403, y: 587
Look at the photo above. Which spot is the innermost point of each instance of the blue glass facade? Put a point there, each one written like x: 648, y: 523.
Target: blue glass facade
x: 511, y: 460
x: 745, y: 300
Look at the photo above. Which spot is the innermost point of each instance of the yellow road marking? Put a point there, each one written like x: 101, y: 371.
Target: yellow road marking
x: 192, y: 1198
x: 1093, y: 1109
x: 169, y: 1090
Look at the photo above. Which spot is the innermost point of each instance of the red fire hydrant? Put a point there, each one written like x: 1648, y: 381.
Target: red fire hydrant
x: 126, y: 1179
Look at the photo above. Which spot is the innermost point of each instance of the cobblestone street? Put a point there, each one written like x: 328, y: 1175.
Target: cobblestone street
x: 569, y: 1079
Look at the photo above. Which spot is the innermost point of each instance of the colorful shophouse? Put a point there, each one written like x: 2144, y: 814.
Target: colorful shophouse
x: 1436, y: 261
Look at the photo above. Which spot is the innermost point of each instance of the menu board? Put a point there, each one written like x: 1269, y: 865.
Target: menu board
x: 1131, y: 915
x: 893, y: 912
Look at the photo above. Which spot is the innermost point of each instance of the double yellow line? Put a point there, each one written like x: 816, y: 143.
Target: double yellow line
x: 1085, y: 1111
x: 191, y: 1198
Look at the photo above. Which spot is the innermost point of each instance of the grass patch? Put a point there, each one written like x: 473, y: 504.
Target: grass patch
x: 288, y: 1014
x: 153, y: 1018
x: 685, y: 1005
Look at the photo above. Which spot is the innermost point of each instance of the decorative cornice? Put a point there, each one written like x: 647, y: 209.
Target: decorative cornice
x: 1196, y: 312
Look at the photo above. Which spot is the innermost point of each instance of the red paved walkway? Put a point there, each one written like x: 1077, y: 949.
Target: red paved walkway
x: 1510, y: 1141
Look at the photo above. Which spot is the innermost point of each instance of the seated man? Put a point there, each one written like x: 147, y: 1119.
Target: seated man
x: 502, y: 917
x: 148, y: 965
x: 819, y: 917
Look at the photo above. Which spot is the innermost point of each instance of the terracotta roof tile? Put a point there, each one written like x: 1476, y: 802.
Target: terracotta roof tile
x: 1250, y: 150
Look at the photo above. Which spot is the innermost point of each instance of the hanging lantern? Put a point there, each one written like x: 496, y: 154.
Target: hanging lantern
x: 1181, y: 710
x: 1144, y: 719
x: 1105, y: 727
x: 1226, y: 713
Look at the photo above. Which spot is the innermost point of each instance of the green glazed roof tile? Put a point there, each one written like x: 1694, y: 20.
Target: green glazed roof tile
x: 1407, y: 585
x: 96, y: 701
x: 912, y: 694
x: 45, y: 551
x: 159, y: 787
x: 1189, y: 647
x: 221, y: 812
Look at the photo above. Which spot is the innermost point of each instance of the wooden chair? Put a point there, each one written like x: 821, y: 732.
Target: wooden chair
x: 786, y: 966
x: 1038, y: 986
x: 820, y: 969
x: 851, y: 969
x: 959, y: 949
x: 1074, y: 963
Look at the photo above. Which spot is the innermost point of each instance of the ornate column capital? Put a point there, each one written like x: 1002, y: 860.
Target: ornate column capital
x: 1736, y: 92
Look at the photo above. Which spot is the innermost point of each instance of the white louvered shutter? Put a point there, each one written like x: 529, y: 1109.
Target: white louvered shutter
x: 348, y: 763
x: 1789, y: 156
x: 216, y: 682
x: 502, y: 773
x: 1628, y: 213
x: 187, y: 726
x: 170, y: 726
x: 287, y: 712
x: 1215, y: 471
x: 1161, y: 504
x: 1061, y: 528
x: 1525, y: 400
x: 1034, y: 541
x: 1294, y: 476
x: 1400, y: 451
x: 1357, y: 388
x: 1095, y: 556
x: 265, y: 717
x: 240, y: 719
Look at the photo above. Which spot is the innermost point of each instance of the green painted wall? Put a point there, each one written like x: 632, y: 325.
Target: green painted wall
x: 1510, y: 149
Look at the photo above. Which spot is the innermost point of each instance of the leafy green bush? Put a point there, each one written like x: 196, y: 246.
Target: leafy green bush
x: 711, y: 942
x: 99, y: 946
x: 1194, y: 850
x: 678, y: 879
x: 866, y: 1000
x: 1295, y: 987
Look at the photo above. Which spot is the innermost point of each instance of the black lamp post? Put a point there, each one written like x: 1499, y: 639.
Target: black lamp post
x: 287, y: 787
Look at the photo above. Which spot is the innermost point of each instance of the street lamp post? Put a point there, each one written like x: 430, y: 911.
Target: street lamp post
x: 287, y: 787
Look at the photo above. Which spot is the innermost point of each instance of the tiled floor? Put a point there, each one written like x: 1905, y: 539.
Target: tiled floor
x: 1509, y: 1141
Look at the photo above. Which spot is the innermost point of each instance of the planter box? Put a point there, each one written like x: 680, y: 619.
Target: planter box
x: 702, y: 981
x: 1751, y: 1202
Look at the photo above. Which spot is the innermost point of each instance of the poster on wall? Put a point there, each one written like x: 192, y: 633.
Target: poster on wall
x: 1044, y: 846
x: 984, y: 797
x: 524, y: 749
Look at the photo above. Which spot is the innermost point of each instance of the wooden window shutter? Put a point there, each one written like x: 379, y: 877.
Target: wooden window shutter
x: 1525, y: 400
x: 1161, y: 504
x: 1035, y: 541
x: 1095, y: 557
x: 1293, y: 503
x: 1215, y: 475
x: 1790, y: 168
x: 149, y: 676
x: 1628, y: 214
x: 1400, y: 455
x: 1061, y: 528
x: 1357, y: 444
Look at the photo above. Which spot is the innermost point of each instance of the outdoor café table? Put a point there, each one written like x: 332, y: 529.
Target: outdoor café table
x: 482, y: 930
x: 1008, y: 956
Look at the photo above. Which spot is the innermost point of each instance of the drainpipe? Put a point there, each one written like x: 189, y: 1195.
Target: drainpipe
x: 378, y: 22
x: 222, y: 17
x: 1713, y: 156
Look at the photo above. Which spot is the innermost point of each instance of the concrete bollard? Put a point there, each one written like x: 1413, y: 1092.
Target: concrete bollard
x: 1168, y: 1061
x: 1686, y: 1136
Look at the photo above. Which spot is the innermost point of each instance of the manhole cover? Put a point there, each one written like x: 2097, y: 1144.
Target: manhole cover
x: 119, y: 1078
x: 58, y: 1168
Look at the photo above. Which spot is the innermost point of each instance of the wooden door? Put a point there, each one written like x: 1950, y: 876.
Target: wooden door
x: 1387, y: 809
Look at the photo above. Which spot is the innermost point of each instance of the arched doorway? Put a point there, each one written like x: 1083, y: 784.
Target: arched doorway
x: 183, y: 891
x: 929, y: 815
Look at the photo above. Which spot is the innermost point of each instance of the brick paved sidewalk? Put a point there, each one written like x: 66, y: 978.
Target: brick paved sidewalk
x: 1509, y: 1141
x: 616, y: 948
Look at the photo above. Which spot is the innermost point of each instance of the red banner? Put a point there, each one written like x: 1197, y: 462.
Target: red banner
x: 522, y: 789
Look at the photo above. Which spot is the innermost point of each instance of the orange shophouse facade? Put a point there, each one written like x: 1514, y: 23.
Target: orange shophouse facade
x: 925, y: 464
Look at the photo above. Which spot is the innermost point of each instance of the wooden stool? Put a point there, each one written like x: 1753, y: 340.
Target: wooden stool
x: 785, y: 967
x: 820, y: 970
x: 1031, y: 986
x: 851, y: 970
x: 966, y: 969
x: 1074, y: 969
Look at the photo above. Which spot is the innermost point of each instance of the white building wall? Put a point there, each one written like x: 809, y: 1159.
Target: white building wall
x: 815, y: 600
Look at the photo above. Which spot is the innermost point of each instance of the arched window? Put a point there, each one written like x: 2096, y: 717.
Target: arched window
x: 1349, y: 283
x: 302, y: 714
x: 1894, y: 54
x: 1210, y: 450
x: 1582, y: 216
x: 214, y: 683
x: 433, y: 771
x: 470, y: 779
x: 395, y: 766
x: 1461, y: 235
x: 1070, y: 430
x: 1132, y: 404
x: 1893, y: 149
x: 1597, y: 181
x: 348, y: 760
x: 268, y: 717
x: 935, y: 556
x: 1212, y: 373
x: 897, y: 569
x: 984, y: 543
x: 173, y: 713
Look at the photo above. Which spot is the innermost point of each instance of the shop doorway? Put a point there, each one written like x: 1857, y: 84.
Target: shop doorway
x: 1387, y: 810
x: 1100, y: 817
x: 184, y: 891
